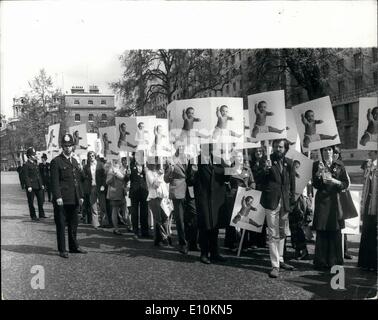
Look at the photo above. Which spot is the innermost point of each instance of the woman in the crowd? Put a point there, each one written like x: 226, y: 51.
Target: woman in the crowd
x: 210, y: 197
x: 329, y: 178
x: 158, y: 192
x: 116, y: 182
x: 241, y: 177
x: 367, y: 257
x: 258, y: 160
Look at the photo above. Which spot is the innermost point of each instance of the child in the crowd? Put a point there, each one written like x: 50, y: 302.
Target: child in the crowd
x: 371, y: 132
x: 308, y: 119
x: 260, y: 124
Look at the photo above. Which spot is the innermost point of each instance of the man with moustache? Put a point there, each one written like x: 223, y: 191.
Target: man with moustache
x: 278, y: 198
x: 67, y: 196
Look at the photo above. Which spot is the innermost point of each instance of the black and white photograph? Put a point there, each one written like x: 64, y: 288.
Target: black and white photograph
x: 189, y: 158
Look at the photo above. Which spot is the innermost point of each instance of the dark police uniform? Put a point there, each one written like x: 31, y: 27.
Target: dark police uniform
x: 44, y: 169
x: 66, y: 184
x: 33, y: 180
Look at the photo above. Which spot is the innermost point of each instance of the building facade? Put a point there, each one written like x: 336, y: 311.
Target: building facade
x: 92, y: 108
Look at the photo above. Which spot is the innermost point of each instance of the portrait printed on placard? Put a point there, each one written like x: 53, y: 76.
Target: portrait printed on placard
x: 267, y: 115
x: 52, y: 140
x: 109, y: 142
x: 368, y: 124
x: 303, y: 170
x: 248, y: 213
x: 79, y: 134
x: 316, y: 124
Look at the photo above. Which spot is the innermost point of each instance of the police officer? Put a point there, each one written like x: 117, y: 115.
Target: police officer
x: 67, y: 196
x: 34, y: 184
x: 44, y: 169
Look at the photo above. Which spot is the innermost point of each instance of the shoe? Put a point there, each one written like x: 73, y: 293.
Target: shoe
x: 35, y: 219
x: 78, y: 250
x: 204, y: 259
x: 42, y: 217
x: 117, y: 232
x: 347, y: 256
x: 169, y: 241
x: 183, y: 249
x: 63, y: 254
x: 274, y: 273
x: 286, y: 266
x: 218, y: 258
x: 146, y: 236
x: 165, y: 242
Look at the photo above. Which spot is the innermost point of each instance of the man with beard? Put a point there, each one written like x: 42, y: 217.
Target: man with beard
x: 278, y: 198
x: 67, y: 196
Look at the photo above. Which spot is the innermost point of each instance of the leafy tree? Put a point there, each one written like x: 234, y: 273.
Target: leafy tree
x: 149, y: 74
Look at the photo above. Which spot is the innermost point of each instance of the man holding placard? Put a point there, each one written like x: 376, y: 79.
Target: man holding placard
x: 278, y: 198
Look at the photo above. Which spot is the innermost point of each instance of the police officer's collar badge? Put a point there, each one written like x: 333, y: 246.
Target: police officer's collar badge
x: 66, y: 138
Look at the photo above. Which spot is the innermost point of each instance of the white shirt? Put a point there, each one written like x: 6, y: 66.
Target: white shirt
x: 157, y: 187
x: 93, y: 172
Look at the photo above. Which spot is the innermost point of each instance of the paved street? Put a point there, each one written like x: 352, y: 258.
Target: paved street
x: 119, y: 267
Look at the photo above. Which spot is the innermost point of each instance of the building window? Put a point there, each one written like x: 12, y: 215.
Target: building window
x: 90, y: 101
x: 325, y: 70
x: 340, y: 66
x: 90, y: 117
x: 240, y: 56
x: 77, y: 117
x: 104, y: 117
x: 76, y: 102
x: 348, y: 112
x: 234, y: 86
x: 227, y: 89
x: 249, y: 61
x: 241, y: 84
x: 250, y: 76
x: 357, y: 60
x: 375, y: 78
x: 341, y: 87
x: 103, y: 101
x: 375, y: 55
x: 358, y: 83
x: 232, y: 59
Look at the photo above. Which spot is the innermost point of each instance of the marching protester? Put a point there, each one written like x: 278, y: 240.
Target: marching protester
x: 176, y: 174
x: 258, y: 160
x: 157, y: 193
x: 94, y: 184
x: 33, y: 184
x: 241, y: 177
x: 67, y: 196
x: 138, y: 195
x: 116, y: 181
x: 126, y: 214
x: 44, y: 169
x: 367, y: 257
x: 278, y: 190
x: 210, y: 195
x: 329, y: 177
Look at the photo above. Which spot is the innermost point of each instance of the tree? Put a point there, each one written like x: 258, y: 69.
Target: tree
x: 149, y: 74
x: 42, y: 106
x: 308, y: 67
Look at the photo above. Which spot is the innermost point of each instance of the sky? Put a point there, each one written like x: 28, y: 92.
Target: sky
x: 78, y: 43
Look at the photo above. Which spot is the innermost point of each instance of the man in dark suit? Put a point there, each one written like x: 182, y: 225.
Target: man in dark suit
x: 34, y: 184
x: 278, y: 198
x: 44, y: 170
x: 67, y: 196
x: 138, y: 194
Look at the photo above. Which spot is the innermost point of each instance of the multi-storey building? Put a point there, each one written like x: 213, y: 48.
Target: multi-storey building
x: 92, y: 108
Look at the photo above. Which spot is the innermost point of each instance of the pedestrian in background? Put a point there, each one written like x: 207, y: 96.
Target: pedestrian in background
x: 44, y: 170
x: 33, y: 184
x: 66, y: 177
